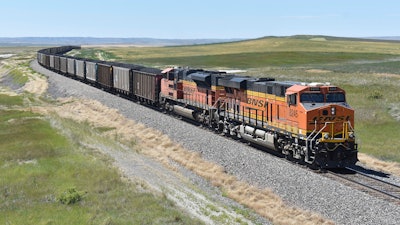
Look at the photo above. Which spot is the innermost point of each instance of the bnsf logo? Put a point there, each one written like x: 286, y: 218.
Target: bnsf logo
x: 255, y: 102
x: 331, y: 118
x: 189, y: 90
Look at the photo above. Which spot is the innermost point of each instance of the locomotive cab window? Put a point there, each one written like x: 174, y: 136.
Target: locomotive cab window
x: 229, y: 90
x: 170, y: 76
x: 292, y: 99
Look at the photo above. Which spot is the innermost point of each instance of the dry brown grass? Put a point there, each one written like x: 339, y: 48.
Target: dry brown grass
x: 388, y: 167
x: 36, y: 85
x: 263, y: 201
x: 318, y: 71
x: 388, y: 75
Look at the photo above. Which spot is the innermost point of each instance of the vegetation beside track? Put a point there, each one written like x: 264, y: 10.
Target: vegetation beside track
x: 51, y: 175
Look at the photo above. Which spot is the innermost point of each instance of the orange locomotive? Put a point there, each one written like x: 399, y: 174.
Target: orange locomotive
x: 310, y: 123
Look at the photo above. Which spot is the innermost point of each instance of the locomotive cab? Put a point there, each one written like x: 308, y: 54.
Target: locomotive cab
x: 326, y: 124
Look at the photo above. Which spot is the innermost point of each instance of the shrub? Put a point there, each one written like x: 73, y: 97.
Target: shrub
x: 375, y: 95
x: 70, y: 196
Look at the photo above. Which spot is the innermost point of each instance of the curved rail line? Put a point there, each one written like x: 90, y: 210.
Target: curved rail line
x: 369, y: 184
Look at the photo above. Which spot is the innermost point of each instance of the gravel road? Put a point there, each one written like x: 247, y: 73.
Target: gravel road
x: 297, y: 186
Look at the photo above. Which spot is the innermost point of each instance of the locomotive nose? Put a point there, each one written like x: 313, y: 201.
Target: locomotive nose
x: 332, y: 122
x: 330, y: 113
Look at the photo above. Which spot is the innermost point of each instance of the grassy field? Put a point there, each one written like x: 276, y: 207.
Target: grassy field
x: 49, y: 177
x: 57, y: 181
x: 51, y: 181
x: 368, y: 70
x: 259, y: 53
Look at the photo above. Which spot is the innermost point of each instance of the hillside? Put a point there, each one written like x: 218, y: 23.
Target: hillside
x: 258, y: 53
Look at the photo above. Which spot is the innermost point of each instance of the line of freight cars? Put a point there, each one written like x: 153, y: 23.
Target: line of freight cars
x: 110, y: 76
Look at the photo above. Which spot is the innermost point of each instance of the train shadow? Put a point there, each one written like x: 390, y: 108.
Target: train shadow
x: 341, y: 171
x: 359, y: 169
x: 370, y: 171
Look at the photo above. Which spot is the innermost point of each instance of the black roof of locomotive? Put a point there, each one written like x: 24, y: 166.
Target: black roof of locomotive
x: 201, y: 77
x: 206, y: 78
x: 272, y: 87
x: 238, y: 82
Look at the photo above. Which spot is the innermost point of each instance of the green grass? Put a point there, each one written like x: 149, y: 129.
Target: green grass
x: 7, y: 101
x: 38, y: 164
x: 272, y: 44
x: 18, y: 77
x: 380, y: 140
x: 356, y: 65
x: 364, y: 66
x: 264, y: 59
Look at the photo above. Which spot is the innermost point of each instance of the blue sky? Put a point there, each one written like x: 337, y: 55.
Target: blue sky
x: 198, y: 19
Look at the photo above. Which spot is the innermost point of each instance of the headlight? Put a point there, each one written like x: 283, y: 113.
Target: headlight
x: 333, y: 111
x: 326, y: 136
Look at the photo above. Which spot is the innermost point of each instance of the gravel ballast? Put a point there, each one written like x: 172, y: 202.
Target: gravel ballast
x: 296, y: 185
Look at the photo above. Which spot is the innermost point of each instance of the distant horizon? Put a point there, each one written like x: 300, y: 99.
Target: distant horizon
x: 144, y: 37
x: 150, y: 40
x: 118, y: 37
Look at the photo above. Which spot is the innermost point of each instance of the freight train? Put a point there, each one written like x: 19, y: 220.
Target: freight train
x: 310, y: 123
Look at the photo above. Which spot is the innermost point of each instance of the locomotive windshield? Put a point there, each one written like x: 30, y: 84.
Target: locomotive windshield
x: 321, y: 98
x: 335, y: 97
x: 312, y: 97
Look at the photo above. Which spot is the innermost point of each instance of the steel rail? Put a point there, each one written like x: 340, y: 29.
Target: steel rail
x: 367, y: 185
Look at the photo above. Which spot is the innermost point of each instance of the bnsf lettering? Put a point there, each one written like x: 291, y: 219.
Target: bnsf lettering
x: 331, y: 118
x: 293, y: 113
x: 255, y: 102
x: 189, y: 90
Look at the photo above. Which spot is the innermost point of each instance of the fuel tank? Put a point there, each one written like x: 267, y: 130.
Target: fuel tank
x: 257, y: 136
x: 185, y: 112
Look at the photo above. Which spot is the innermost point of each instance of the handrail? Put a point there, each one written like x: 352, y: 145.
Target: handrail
x: 310, y: 138
x: 306, y: 156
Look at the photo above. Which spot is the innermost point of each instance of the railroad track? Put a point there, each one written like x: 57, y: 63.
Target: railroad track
x: 368, y: 184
